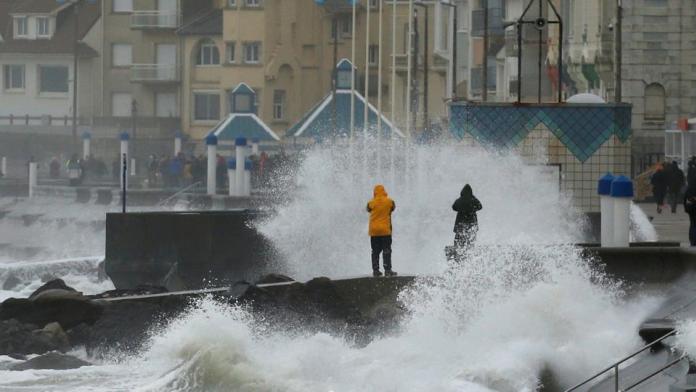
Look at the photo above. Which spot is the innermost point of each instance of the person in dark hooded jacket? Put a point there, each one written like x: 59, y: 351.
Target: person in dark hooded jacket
x: 690, y: 209
x: 466, y: 224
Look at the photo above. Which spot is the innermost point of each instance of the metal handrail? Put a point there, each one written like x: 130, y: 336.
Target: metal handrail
x: 656, y: 372
x: 177, y: 194
x: 615, y: 365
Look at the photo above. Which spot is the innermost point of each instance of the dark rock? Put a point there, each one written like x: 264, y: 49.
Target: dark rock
x: 53, y: 361
x: 274, y: 278
x: 55, y: 284
x: 11, y: 282
x: 238, y: 289
x: 61, y: 306
x: 140, y: 290
x: 21, y: 339
x: 123, y: 325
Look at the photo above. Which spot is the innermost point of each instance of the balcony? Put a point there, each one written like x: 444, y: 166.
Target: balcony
x: 154, y: 20
x: 154, y: 73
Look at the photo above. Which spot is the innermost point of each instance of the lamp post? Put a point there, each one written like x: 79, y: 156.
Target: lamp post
x: 76, y: 31
x: 426, y: 124
x: 453, y: 60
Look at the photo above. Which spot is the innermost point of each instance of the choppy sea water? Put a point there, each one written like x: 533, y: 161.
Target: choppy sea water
x: 523, y: 301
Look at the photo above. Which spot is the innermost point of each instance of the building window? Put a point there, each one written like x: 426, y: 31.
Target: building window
x: 121, y: 55
x: 252, y: 3
x: 165, y: 105
x: 374, y: 3
x: 243, y: 99
x: 374, y: 54
x: 347, y: 26
x: 21, y: 26
x: 206, y: 106
x: 334, y: 28
x: 53, y: 79
x: 208, y: 53
x: 654, y: 102
x: 278, y: 104
x: 42, y: 26
x: 122, y: 6
x: 230, y: 52
x: 232, y: 3
x: 121, y: 104
x: 14, y: 77
x: 252, y: 52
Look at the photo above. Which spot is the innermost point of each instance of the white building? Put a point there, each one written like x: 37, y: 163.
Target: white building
x: 37, y: 45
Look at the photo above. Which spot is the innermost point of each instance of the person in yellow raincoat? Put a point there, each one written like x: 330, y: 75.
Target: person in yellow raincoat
x: 380, y: 209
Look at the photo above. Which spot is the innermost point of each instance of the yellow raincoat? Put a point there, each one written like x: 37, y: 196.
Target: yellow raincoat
x: 380, y: 209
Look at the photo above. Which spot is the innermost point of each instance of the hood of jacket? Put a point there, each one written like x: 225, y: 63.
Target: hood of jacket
x: 466, y: 191
x: 380, y: 191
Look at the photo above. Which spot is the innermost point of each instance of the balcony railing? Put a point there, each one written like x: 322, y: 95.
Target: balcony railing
x: 154, y: 73
x: 154, y: 20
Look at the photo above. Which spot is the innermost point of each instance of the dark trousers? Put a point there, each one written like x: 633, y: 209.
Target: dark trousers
x: 692, y: 234
x: 673, y: 198
x: 381, y: 245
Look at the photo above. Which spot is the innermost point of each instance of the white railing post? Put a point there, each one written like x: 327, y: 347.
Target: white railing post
x: 211, y: 141
x: 86, y: 144
x: 240, y: 155
x: 32, y: 178
x: 622, y: 193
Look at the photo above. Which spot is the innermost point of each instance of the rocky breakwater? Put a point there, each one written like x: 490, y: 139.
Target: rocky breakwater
x: 56, y: 319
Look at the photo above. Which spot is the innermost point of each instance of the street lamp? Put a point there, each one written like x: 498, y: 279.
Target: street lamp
x: 453, y: 61
x: 76, y: 31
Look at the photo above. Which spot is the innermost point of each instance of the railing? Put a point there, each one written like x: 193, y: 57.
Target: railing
x: 615, y: 367
x: 154, y: 20
x: 44, y: 120
x: 154, y: 73
x: 164, y: 202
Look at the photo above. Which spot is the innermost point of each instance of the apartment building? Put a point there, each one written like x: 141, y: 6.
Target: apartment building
x: 37, y: 43
x: 141, y: 67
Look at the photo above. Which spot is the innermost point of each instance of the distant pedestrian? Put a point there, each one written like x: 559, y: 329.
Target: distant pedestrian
x: 691, y: 171
x: 675, y: 186
x: 466, y: 223
x: 54, y: 168
x: 380, y: 209
x: 659, y: 181
x: 690, y: 208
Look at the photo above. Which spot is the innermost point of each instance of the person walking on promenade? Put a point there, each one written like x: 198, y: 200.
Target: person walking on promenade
x: 690, y: 208
x: 380, y: 231
x: 675, y: 186
x: 466, y: 223
x: 659, y: 181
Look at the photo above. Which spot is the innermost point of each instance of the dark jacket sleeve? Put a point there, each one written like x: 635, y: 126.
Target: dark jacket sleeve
x: 477, y: 205
x: 457, y: 205
x: 393, y: 205
x: 367, y: 207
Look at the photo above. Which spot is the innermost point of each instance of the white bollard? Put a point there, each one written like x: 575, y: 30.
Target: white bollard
x: 247, y: 178
x: 124, y: 151
x: 132, y: 167
x: 177, y: 143
x: 231, y: 177
x: 32, y: 178
x: 240, y: 157
x: 606, y: 205
x: 211, y: 141
x: 86, y: 145
x: 3, y: 167
x: 622, y: 194
x: 255, y: 146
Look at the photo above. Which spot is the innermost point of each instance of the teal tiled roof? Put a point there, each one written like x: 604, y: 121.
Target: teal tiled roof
x: 318, y: 122
x: 582, y: 128
x: 246, y: 125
